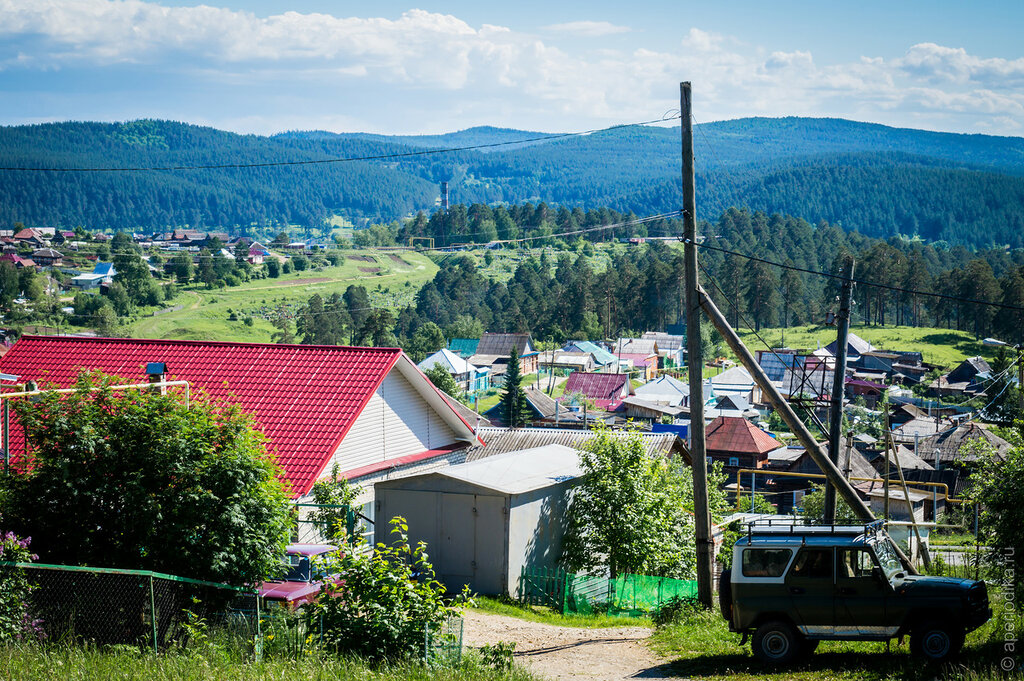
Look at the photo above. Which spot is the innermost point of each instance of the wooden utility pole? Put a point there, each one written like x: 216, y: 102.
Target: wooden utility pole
x: 771, y: 393
x: 835, y: 422
x: 695, y: 360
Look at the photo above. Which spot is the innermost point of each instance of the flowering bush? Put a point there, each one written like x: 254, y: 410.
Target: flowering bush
x: 15, y: 621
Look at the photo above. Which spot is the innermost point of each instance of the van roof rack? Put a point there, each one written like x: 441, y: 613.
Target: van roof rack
x: 798, y: 526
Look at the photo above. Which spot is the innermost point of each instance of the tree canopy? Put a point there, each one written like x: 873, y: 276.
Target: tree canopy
x: 136, y: 479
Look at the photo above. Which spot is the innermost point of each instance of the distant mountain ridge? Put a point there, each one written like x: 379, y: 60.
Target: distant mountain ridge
x: 965, y: 189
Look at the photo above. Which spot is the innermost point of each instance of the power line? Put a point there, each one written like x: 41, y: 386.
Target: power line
x: 864, y: 282
x: 375, y: 157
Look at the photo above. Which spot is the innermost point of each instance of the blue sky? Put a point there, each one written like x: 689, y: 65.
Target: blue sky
x: 389, y: 67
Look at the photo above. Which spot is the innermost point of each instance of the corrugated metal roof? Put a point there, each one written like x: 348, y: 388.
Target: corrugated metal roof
x: 601, y: 356
x: 464, y: 347
x: 520, y: 471
x: 304, y: 397
x: 597, y: 386
x: 737, y: 435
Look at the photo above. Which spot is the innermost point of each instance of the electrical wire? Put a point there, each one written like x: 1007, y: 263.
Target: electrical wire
x: 375, y: 157
x: 862, y: 282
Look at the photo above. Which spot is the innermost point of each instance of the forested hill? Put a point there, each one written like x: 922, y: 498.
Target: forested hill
x: 966, y: 189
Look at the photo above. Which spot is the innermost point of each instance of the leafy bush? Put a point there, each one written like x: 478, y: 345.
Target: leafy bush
x: 139, y: 480
x: 15, y: 621
x: 385, y: 601
x: 333, y: 496
x: 675, y: 610
x: 499, y: 656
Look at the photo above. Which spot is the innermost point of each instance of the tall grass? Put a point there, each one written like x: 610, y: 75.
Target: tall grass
x: 34, y: 662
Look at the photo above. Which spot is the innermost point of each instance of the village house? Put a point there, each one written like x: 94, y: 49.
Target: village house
x: 601, y: 355
x: 18, y: 261
x: 495, y: 349
x: 737, y: 443
x: 33, y: 237
x: 48, y: 257
x: 606, y: 390
x: 469, y: 378
x: 671, y: 347
x: 667, y: 390
x: 369, y: 411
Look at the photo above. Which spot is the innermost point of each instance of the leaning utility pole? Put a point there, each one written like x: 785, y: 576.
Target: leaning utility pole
x: 771, y: 393
x: 695, y: 361
x: 835, y: 422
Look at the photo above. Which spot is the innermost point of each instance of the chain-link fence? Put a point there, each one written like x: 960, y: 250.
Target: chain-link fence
x: 107, y: 606
x: 625, y: 595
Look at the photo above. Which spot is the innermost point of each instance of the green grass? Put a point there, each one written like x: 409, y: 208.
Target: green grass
x: 536, y: 613
x: 702, y: 648
x: 204, y: 312
x: 33, y: 662
x: 963, y: 539
x: 947, y: 347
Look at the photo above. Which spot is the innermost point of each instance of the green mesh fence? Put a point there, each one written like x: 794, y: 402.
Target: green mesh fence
x: 443, y: 643
x: 626, y: 595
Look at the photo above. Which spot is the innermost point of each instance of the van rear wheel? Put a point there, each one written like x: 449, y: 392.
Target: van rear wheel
x: 777, y: 642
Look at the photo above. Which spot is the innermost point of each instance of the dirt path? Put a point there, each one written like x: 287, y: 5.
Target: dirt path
x: 567, y: 652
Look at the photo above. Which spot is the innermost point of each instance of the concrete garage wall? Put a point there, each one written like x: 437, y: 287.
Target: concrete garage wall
x: 536, y: 529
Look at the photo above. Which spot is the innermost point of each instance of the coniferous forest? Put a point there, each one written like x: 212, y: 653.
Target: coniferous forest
x: 872, y: 179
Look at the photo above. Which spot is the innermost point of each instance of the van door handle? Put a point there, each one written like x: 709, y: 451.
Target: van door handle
x: 847, y: 591
x: 796, y: 590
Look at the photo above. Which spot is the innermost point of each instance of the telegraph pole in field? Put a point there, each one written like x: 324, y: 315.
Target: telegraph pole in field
x: 695, y: 361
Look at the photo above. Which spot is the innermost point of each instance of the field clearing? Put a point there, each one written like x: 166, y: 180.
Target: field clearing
x: 947, y: 347
x: 205, y: 312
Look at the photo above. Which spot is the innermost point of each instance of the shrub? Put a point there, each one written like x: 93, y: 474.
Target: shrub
x: 384, y: 602
x: 15, y: 622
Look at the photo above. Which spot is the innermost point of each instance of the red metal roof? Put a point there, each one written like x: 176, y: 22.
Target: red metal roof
x: 738, y: 435
x: 304, y: 397
x: 596, y: 386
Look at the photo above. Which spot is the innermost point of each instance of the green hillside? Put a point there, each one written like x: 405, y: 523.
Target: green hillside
x: 947, y: 347
x: 198, y: 313
x: 966, y: 189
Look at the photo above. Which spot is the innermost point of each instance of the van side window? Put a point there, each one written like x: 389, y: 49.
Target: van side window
x: 813, y: 563
x: 765, y: 562
x: 855, y: 563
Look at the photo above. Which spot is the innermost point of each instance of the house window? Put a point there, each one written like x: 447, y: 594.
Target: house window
x: 734, y: 461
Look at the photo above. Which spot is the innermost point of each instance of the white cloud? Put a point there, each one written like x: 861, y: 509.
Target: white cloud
x: 587, y: 29
x: 491, y: 74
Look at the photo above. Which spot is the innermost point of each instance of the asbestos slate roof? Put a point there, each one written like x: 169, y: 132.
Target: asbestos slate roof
x: 501, y: 440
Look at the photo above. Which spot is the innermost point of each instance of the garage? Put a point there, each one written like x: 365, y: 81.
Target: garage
x: 483, y: 521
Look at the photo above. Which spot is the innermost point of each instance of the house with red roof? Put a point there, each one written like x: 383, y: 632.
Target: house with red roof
x: 738, y: 443
x: 368, y: 410
x: 598, y: 386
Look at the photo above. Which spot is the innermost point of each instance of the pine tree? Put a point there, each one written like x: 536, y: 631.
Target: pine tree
x: 513, y: 401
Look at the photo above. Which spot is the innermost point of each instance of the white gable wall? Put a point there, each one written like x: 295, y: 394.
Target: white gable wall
x: 396, y: 422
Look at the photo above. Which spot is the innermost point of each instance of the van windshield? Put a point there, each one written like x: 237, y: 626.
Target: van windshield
x: 887, y: 557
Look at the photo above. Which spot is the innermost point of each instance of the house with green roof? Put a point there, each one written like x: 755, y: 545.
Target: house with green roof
x: 464, y: 347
